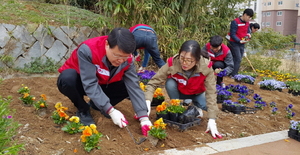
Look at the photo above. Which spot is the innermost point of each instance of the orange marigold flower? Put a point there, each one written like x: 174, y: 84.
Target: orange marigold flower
x: 83, y: 138
x: 44, y: 97
x: 25, y: 95
x: 42, y: 105
x: 87, y: 131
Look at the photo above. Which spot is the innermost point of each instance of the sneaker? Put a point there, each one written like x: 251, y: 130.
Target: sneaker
x: 91, y: 103
x: 85, y: 117
x: 200, y: 112
x: 141, y: 70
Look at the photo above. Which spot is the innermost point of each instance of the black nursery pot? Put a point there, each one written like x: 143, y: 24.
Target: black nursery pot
x: 163, y: 116
x: 156, y: 102
x: 174, y: 116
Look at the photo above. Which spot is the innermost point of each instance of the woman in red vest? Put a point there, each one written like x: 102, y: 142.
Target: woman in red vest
x: 102, y: 69
x: 189, y: 75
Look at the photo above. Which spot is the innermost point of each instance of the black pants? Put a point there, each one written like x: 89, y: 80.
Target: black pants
x: 219, y: 64
x: 69, y: 84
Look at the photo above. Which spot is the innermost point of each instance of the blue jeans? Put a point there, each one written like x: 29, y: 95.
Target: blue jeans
x: 237, y: 51
x: 146, y: 57
x: 148, y: 40
x: 199, y: 100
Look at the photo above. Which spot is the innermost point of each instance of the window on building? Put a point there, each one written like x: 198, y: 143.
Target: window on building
x: 263, y: 24
x: 264, y: 14
x: 268, y: 13
x: 297, y: 5
x: 269, y: 3
x: 264, y: 4
x: 278, y: 23
x: 279, y: 13
x: 280, y: 2
x: 268, y: 24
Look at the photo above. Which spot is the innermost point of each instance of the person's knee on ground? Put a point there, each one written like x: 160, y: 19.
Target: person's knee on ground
x: 172, y: 89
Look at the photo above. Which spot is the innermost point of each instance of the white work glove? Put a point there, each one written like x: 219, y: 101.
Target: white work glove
x: 118, y: 118
x: 145, y: 125
x: 218, y: 70
x: 243, y: 41
x: 212, y: 128
x: 148, y: 103
x: 245, y: 54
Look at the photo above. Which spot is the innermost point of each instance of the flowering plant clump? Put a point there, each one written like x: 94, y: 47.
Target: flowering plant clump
x: 274, y: 110
x: 239, y: 89
x: 27, y: 99
x: 272, y: 104
x: 90, y: 137
x: 222, y: 73
x: 59, y: 116
x: 175, y: 106
x: 146, y: 76
x: 158, y: 94
x: 243, y: 99
x: 23, y: 89
x: 244, y: 78
x: 41, y: 103
x: 142, y: 86
x: 223, y: 93
x: 162, y: 108
x: 272, y: 85
x: 259, y: 103
x: 295, y: 125
x: 158, y: 130
x: 289, y: 113
x: 73, y: 125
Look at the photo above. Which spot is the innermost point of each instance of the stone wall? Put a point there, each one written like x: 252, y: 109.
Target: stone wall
x: 26, y: 43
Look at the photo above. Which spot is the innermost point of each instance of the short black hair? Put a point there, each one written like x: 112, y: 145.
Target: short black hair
x: 255, y: 25
x: 122, y: 38
x: 193, y: 47
x: 249, y: 12
x: 216, y: 41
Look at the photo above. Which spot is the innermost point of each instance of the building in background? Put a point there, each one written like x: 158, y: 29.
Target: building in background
x: 281, y: 15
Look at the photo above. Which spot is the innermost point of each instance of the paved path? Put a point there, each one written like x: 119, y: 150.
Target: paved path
x: 275, y: 143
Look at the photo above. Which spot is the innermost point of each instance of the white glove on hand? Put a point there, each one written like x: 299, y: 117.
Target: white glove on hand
x: 145, y: 125
x: 218, y: 70
x: 148, y: 103
x: 118, y: 118
x: 245, y: 54
x: 243, y: 41
x: 212, y: 127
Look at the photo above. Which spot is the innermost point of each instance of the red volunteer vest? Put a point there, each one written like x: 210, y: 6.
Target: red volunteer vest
x: 221, y: 57
x: 97, y: 46
x: 242, y: 29
x: 193, y: 85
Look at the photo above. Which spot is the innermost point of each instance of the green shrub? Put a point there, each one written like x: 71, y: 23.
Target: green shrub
x: 8, y: 129
x: 40, y: 66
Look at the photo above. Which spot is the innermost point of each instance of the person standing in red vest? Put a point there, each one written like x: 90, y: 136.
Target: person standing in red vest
x: 145, y: 38
x: 102, y: 68
x: 239, y: 35
x: 220, y: 55
x: 189, y: 75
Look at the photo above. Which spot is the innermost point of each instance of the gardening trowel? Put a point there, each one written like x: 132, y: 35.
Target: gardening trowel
x: 135, y: 141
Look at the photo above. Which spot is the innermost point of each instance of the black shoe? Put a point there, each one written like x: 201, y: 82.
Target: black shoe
x: 91, y: 103
x: 85, y: 117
